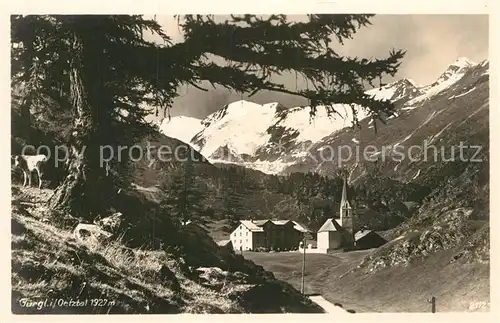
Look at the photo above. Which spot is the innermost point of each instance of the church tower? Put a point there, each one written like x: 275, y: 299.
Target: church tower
x: 346, y: 213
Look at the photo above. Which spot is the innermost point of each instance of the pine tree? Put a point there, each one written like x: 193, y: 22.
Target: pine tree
x: 102, y: 70
x: 231, y: 205
x: 183, y: 198
x: 231, y: 196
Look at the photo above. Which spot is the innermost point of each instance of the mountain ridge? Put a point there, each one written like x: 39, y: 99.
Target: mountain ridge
x: 274, y: 139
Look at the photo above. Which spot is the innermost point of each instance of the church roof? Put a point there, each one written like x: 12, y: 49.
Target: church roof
x: 330, y: 225
x: 346, y: 198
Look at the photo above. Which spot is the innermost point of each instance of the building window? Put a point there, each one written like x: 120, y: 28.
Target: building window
x: 240, y: 241
x: 240, y: 233
x: 247, y: 232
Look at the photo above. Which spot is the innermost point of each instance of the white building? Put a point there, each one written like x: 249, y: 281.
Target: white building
x: 330, y: 235
x: 242, y: 236
x: 268, y: 234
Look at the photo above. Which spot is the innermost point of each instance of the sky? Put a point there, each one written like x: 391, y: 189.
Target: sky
x: 432, y: 43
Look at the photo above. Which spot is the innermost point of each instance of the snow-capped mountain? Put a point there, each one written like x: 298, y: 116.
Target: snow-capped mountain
x: 181, y: 127
x: 249, y: 133
x: 275, y: 139
x: 450, y: 76
x: 455, y: 115
x: 395, y: 91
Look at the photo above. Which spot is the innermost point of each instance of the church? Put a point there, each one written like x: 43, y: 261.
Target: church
x: 339, y: 233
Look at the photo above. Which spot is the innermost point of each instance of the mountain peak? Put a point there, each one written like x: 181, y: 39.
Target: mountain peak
x: 404, y: 82
x: 182, y: 128
x: 241, y: 102
x: 394, y: 91
x: 411, y: 82
x: 463, y: 62
x: 455, y: 70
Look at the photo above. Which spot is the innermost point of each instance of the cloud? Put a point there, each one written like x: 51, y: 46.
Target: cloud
x: 432, y: 42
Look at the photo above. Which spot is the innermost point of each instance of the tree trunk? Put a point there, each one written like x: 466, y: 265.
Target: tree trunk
x: 26, y: 119
x: 85, y: 191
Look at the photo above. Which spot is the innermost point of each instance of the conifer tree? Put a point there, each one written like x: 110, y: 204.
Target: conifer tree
x: 231, y: 204
x: 183, y: 198
x: 101, y: 70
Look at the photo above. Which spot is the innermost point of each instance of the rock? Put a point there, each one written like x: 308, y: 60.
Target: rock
x: 169, y: 278
x: 477, y: 248
x: 269, y: 297
x: 179, y: 265
x: 84, y: 231
x: 240, y: 277
x: 212, y: 276
x: 218, y: 278
x: 112, y: 223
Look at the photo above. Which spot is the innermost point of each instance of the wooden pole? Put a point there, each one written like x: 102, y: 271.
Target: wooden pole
x: 432, y: 300
x: 303, y: 264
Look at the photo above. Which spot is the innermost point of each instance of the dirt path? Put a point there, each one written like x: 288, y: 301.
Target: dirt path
x: 327, y: 306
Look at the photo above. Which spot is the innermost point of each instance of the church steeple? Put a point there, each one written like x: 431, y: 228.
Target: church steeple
x: 344, y: 202
x: 346, y: 211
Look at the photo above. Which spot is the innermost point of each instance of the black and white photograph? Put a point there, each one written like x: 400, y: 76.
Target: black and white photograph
x: 328, y: 163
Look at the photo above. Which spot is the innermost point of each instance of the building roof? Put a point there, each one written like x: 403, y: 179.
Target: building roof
x: 330, y: 225
x: 223, y: 243
x: 260, y: 222
x: 363, y: 233
x: 280, y: 222
x: 300, y: 227
x: 250, y: 225
x: 297, y: 226
x: 256, y: 225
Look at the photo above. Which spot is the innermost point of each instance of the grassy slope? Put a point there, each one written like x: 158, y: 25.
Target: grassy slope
x: 396, y: 289
x: 48, y: 261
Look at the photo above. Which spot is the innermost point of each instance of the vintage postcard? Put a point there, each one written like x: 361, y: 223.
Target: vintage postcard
x: 334, y: 163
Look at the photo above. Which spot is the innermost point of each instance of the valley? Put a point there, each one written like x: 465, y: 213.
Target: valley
x: 433, y: 212
x: 258, y: 164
